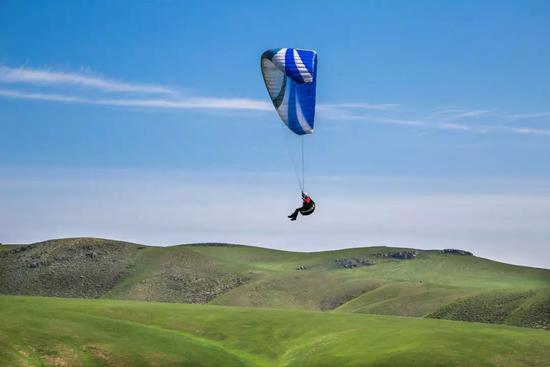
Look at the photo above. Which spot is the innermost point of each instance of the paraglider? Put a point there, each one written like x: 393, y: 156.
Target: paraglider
x: 290, y: 76
x: 307, y: 208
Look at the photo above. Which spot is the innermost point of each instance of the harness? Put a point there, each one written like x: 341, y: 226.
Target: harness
x: 308, y: 211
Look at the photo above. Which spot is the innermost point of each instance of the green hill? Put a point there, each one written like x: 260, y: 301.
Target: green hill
x: 529, y: 309
x: 36, y: 331
x: 375, y: 280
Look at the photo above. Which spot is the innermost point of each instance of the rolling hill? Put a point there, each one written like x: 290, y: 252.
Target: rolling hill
x: 37, y: 331
x: 375, y: 280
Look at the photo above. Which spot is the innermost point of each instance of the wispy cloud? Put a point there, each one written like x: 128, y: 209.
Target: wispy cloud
x: 530, y: 131
x: 126, y: 94
x: 395, y: 121
x: 465, y: 114
x: 405, y: 122
x: 47, y: 77
x: 188, y: 103
x: 429, y: 124
x: 529, y: 115
x: 210, y: 103
x: 10, y: 93
x: 444, y: 110
x: 197, y: 103
x: 171, y: 99
x: 361, y: 106
x: 453, y: 126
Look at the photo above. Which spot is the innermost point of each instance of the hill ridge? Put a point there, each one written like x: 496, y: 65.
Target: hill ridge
x: 377, y: 279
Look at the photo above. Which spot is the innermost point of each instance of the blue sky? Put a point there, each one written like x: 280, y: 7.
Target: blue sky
x: 150, y: 122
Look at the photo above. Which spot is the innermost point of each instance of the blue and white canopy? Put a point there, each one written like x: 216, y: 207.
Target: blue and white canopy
x: 290, y: 76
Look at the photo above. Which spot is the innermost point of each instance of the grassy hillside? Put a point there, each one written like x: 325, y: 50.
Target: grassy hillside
x: 82, y: 267
x: 529, y: 309
x: 4, y: 247
x: 376, y: 280
x: 406, y: 299
x: 36, y: 331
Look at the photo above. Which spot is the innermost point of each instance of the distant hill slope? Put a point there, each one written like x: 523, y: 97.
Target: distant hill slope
x: 527, y: 308
x: 4, y: 247
x: 376, y: 280
x: 36, y: 331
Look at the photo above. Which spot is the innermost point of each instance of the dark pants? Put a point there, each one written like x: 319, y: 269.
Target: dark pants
x: 295, y: 214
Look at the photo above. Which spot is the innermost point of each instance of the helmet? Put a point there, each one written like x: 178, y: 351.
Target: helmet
x: 304, y: 195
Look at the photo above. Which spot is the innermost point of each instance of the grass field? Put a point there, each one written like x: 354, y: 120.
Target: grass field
x: 37, y: 331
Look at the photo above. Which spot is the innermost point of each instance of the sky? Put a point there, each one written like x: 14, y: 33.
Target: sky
x: 150, y: 122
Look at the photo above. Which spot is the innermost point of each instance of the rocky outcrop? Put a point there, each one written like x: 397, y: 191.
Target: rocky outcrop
x: 400, y: 255
x: 353, y: 262
x: 454, y: 251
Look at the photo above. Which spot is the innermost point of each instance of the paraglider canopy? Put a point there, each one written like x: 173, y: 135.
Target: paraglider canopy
x: 290, y: 76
